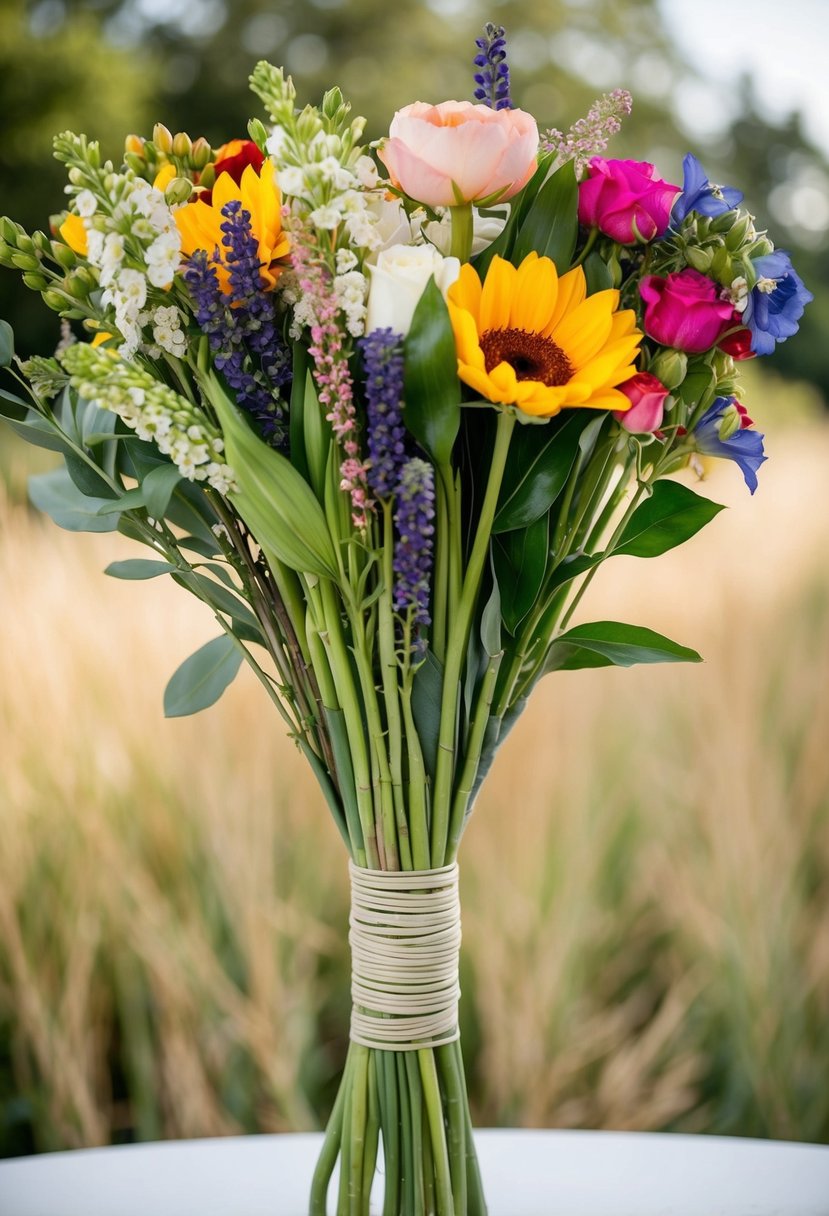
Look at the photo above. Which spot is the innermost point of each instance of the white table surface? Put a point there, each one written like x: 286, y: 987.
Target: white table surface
x: 526, y: 1173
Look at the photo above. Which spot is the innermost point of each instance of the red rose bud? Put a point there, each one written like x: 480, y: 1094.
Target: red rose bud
x: 647, y: 404
x: 624, y: 200
x: 684, y: 311
x: 738, y: 344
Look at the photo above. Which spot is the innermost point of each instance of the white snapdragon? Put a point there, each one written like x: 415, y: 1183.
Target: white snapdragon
x: 163, y: 257
x: 168, y: 333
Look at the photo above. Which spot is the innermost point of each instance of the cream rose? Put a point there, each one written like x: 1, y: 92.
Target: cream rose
x: 398, y: 280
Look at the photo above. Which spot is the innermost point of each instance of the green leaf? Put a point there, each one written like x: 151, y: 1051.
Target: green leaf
x: 88, y: 480
x: 29, y: 425
x: 197, y: 545
x: 219, y: 597
x: 158, y: 487
x: 671, y: 515
x: 138, y: 568
x: 432, y: 408
x: 613, y: 644
x: 597, y: 273
x: 551, y: 225
x: 131, y: 500
x: 491, y: 622
x: 538, y: 465
x: 202, y: 678
x: 6, y: 344
x: 427, y: 689
x: 275, y: 501
x: 57, y: 495
x: 520, y: 564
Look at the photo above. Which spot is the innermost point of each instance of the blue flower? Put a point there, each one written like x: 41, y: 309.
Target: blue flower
x: 726, y: 417
x: 492, y: 78
x: 383, y: 362
x: 698, y: 194
x: 776, y: 302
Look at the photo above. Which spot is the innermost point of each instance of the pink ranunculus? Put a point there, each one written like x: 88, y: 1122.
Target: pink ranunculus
x: 684, y: 310
x: 647, y: 404
x: 624, y: 200
x: 457, y: 152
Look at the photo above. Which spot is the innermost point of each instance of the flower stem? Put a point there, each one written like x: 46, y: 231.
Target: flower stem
x: 461, y: 246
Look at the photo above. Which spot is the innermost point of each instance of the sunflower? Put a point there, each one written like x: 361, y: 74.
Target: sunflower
x: 526, y: 337
x: 200, y: 222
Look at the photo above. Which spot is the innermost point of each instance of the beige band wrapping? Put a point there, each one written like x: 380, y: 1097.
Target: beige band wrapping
x: 405, y: 937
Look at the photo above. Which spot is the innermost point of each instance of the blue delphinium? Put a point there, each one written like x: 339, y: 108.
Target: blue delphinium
x: 415, y: 527
x: 700, y: 195
x: 724, y: 430
x: 241, y: 327
x: 492, y: 78
x: 776, y: 302
x: 382, y: 351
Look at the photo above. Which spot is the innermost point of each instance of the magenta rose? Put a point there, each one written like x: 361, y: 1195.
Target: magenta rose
x: 684, y: 311
x: 624, y: 200
x: 647, y: 402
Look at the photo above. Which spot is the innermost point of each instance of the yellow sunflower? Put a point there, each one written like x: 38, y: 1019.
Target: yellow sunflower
x: 200, y: 223
x: 526, y: 337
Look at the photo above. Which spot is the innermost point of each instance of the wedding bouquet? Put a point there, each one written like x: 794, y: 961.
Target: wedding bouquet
x: 386, y: 416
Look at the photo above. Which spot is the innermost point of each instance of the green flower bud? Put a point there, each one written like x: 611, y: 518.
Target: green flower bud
x: 42, y: 243
x: 63, y: 255
x: 721, y: 265
x: 729, y: 424
x: 55, y: 301
x: 136, y: 163
x: 84, y: 275
x: 162, y: 138
x: 208, y: 177
x: 699, y: 257
x: 93, y: 155
x: 6, y: 255
x: 670, y: 366
x: 178, y: 191
x: 182, y: 144
x: 358, y: 126
x: 762, y: 246
x: 331, y: 102
x: 25, y: 261
x: 258, y: 132
x: 8, y: 230
x: 75, y: 286
x: 743, y: 228
x: 201, y: 152
x: 76, y: 175
x: 724, y: 222
x: 25, y: 244
x: 37, y: 282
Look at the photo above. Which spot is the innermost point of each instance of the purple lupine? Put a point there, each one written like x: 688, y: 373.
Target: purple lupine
x: 492, y: 78
x: 245, y: 334
x: 415, y: 527
x: 383, y: 364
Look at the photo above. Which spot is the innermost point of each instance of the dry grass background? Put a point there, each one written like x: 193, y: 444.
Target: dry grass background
x: 645, y: 880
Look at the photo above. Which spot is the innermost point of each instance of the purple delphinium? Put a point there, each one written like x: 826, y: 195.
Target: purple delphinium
x: 241, y: 327
x: 492, y: 78
x: 383, y: 365
x: 700, y: 195
x: 727, y: 417
x: 414, y: 525
x: 776, y: 303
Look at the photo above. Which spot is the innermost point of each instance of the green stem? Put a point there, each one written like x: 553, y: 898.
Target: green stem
x: 459, y: 637
x: 461, y: 246
x: 454, y: 1115
x: 476, y: 1204
x: 357, y: 1129
x: 390, y: 1115
x: 372, y: 1132
x: 437, y: 1134
x: 416, y: 1123
x: 418, y: 788
x: 407, y: 1193
x: 588, y: 245
x: 440, y: 592
x: 480, y: 718
x: 330, y: 1147
x: 391, y: 694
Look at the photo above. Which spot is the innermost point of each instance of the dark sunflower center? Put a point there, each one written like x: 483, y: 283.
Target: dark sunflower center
x: 531, y: 356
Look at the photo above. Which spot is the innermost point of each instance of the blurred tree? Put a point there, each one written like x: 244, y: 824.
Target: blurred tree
x: 56, y: 72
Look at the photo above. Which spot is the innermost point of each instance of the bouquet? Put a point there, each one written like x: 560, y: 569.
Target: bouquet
x: 386, y: 410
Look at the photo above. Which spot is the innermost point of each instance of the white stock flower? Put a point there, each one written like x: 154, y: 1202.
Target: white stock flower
x: 276, y: 141
x: 399, y: 279
x: 326, y: 217
x: 291, y: 180
x: 366, y: 172
x: 86, y: 203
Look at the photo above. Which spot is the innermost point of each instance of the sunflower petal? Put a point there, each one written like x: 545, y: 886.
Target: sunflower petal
x: 536, y: 290
x: 497, y: 295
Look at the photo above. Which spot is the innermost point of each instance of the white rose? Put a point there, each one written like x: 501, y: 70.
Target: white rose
x: 399, y: 279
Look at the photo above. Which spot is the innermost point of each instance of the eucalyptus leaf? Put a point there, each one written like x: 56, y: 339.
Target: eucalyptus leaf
x: 201, y: 679
x: 130, y: 500
x: 671, y: 515
x: 30, y: 425
x: 219, y: 597
x: 158, y: 487
x: 57, y: 495
x: 432, y: 408
x: 614, y: 644
x: 88, y: 479
x: 136, y: 568
x: 551, y: 225
x: 6, y: 344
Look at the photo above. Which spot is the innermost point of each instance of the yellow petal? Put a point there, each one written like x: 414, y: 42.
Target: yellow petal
x: 536, y: 290
x: 465, y: 292
x: 497, y: 295
x: 74, y: 234
x: 164, y: 177
x: 572, y: 289
x: 466, y: 338
x: 581, y: 333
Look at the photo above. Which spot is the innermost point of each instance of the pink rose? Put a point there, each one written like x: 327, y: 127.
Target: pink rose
x: 624, y: 200
x: 684, y: 310
x: 457, y: 152
x: 647, y: 400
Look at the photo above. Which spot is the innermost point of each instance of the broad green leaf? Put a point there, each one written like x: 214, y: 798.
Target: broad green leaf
x: 520, y: 563
x: 699, y: 380
x: 138, y: 568
x: 551, y: 224
x: 597, y: 273
x: 432, y: 408
x: 88, y: 480
x: 671, y: 515
x: 301, y: 369
x: 6, y: 344
x: 613, y: 644
x: 202, y: 678
x: 427, y: 690
x: 274, y: 500
x: 573, y: 566
x: 317, y: 438
x: 519, y: 207
x: 158, y: 487
x: 491, y: 622
x: 57, y: 495
x: 538, y: 465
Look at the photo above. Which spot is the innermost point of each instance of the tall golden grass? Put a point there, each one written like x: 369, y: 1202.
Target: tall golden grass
x: 645, y: 880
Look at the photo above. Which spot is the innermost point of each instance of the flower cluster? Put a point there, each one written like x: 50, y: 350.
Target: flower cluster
x: 414, y: 526
x: 590, y: 135
x: 492, y: 77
